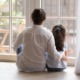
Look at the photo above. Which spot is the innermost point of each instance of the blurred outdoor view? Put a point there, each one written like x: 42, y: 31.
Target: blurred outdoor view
x: 12, y: 22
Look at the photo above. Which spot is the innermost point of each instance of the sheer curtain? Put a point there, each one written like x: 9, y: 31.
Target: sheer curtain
x: 77, y: 65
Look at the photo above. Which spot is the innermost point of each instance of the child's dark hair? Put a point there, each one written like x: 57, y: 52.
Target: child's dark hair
x: 38, y: 16
x: 59, y: 36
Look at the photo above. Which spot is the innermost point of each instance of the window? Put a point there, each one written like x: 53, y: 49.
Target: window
x: 14, y: 14
x: 12, y: 22
x: 62, y: 12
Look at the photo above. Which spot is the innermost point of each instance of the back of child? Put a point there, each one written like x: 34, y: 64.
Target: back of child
x: 59, y: 36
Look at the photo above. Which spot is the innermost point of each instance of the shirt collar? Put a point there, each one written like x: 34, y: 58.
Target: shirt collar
x: 37, y: 25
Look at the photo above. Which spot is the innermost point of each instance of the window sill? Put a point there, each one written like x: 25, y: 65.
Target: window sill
x: 8, y: 57
x: 71, y: 61
x: 12, y: 58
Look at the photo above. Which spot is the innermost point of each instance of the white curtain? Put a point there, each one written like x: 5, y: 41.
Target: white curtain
x: 77, y: 65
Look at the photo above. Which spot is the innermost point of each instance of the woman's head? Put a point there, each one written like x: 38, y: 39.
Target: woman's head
x: 59, y: 36
x: 38, y: 16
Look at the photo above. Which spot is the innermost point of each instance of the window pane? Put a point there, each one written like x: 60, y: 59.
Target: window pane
x: 70, y: 26
x: 68, y: 8
x: 4, y: 7
x: 50, y: 7
x: 18, y: 25
x: 19, y: 8
x: 4, y: 35
x: 50, y: 23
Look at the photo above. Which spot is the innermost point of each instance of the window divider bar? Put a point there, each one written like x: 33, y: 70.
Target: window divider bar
x: 10, y: 24
x: 62, y: 18
x: 13, y: 17
x: 59, y: 10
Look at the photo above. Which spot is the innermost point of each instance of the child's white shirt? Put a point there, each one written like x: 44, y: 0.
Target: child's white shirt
x: 52, y: 63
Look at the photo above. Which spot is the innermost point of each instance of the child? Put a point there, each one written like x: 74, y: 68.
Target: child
x: 59, y: 36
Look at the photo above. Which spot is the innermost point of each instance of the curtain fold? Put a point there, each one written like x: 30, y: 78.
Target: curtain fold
x: 77, y: 65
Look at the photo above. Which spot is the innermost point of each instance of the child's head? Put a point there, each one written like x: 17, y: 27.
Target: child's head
x: 59, y: 36
x: 38, y: 16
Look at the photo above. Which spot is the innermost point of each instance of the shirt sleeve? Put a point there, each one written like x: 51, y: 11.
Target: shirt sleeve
x: 18, y: 42
x: 52, y: 49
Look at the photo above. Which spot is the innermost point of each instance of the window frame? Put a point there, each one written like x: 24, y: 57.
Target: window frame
x: 4, y: 56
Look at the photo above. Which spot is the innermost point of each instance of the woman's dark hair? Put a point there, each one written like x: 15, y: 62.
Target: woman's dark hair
x: 38, y: 16
x: 59, y: 36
